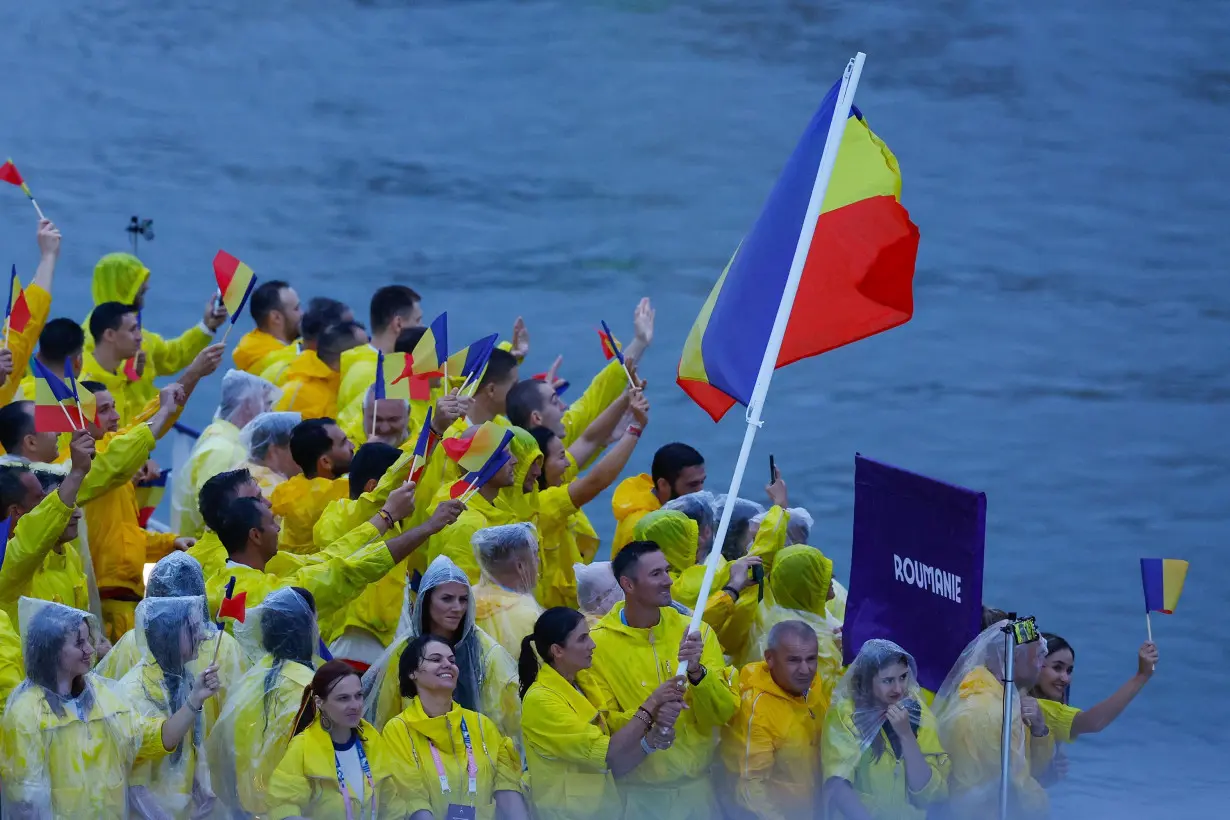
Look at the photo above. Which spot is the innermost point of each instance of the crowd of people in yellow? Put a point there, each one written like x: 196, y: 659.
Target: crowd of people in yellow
x: 405, y: 654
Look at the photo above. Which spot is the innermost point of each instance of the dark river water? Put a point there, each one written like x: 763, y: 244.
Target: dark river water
x: 1067, y: 164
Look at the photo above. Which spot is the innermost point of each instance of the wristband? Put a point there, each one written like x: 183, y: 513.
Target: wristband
x: 388, y: 519
x: 634, y: 430
x: 699, y: 677
x: 643, y: 714
x: 646, y: 748
x: 734, y: 593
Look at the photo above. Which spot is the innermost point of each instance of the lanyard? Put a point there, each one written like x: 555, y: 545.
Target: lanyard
x: 367, y: 775
x: 471, y: 765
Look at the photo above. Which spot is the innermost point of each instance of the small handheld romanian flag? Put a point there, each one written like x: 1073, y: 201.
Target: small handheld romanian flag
x: 87, y: 404
x: 393, y: 376
x: 1163, y: 580
x: 10, y: 174
x: 233, y: 606
x: 422, y: 447
x: 16, y: 311
x: 235, y: 283
x: 482, y: 451
x: 431, y: 353
x: 55, y: 406
x: 611, y: 348
x: 149, y: 496
x: 471, y: 359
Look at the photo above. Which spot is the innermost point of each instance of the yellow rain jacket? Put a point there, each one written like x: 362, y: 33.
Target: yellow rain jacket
x: 118, y: 278
x: 232, y: 662
x: 305, y: 782
x: 309, y: 387
x: 516, y: 500
x: 499, y: 696
x: 257, y: 351
x: 170, y: 783
x: 880, y: 781
x: 1059, y: 717
x: 36, y: 565
x: 209, y: 553
x: 216, y: 451
x: 504, y: 615
x: 633, y: 499
x: 558, y: 548
x: 22, y: 344
x: 122, y: 547
x: 454, y: 540
x: 378, y: 608
x: 67, y: 764
x: 772, y: 747
x: 12, y: 669
x: 566, y: 743
x: 266, y: 478
x: 409, y: 738
x: 361, y: 558
x: 254, y: 731
x: 628, y: 665
x: 299, y: 502
x: 974, y: 750
x: 797, y: 590
x: 358, y: 374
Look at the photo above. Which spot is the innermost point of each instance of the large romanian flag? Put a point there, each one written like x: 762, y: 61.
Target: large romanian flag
x: 857, y: 280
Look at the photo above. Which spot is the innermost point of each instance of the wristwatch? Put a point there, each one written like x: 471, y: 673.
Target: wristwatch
x: 646, y: 748
x: 699, y: 677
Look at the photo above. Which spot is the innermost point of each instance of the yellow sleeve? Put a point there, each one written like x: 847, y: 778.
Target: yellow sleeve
x: 339, y: 580
x: 454, y: 541
x: 1059, y: 717
x: 937, y: 760
x: 840, y: 747
x: 595, y: 688
x: 771, y: 537
x: 35, y: 534
x: 716, y: 699
x: 757, y: 752
x: 209, y: 553
x: 170, y: 357
x: 148, y: 736
x: 287, y: 792
x: 117, y: 463
x: 23, y: 765
x: 10, y: 660
x: 158, y: 545
x: 606, y: 387
x: 507, y: 767
x: 406, y: 771
x: 22, y: 344
x: 552, y: 729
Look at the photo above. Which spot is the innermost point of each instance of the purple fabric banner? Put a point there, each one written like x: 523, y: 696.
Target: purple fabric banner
x: 915, y: 567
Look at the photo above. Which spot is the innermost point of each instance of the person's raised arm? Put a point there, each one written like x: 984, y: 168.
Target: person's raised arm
x: 49, y: 254
x: 176, y: 727
x: 1096, y: 718
x: 410, y: 540
x: 642, y: 320
x: 81, y: 454
x: 205, y: 363
x: 917, y: 772
x: 586, y: 488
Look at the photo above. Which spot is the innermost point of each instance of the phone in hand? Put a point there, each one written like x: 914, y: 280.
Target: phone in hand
x: 772, y: 469
x: 758, y: 577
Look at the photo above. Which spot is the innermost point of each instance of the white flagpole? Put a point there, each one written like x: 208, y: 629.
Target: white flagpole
x: 837, y: 128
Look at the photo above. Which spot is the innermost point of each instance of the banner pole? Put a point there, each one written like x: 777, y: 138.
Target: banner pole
x: 828, y: 160
x: 1005, y: 738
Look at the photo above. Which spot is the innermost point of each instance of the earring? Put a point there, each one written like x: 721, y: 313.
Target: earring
x: 325, y: 723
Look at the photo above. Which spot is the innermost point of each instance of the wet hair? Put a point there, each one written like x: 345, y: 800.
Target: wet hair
x: 1054, y: 643
x: 265, y: 299
x: 991, y: 616
x: 16, y: 422
x: 390, y: 302
x: 61, y: 339
x: 372, y: 460
x: 499, y: 368
x: 524, y: 398
x: 624, y: 564
x: 162, y: 637
x: 309, y: 441
x: 321, y: 312
x: 790, y: 629
x: 241, y: 517
x: 108, y: 316
x: 218, y: 493
x: 412, y: 658
x: 49, y: 630
x: 551, y: 629
x: 672, y: 459
x: 335, y: 340
x: 543, y: 436
x: 326, y: 677
x: 93, y: 386
x: 407, y: 339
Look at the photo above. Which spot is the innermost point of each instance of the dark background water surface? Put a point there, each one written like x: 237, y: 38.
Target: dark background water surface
x: 1067, y: 165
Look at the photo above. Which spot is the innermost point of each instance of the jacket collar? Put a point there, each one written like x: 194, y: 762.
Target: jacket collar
x: 553, y: 681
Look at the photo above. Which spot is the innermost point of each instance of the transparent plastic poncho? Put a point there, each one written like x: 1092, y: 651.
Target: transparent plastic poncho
x: 505, y: 607
x: 700, y: 507
x: 174, y: 635
x: 245, y: 396
x: 798, y: 529
x: 597, y: 589
x: 739, y: 534
x: 969, y: 712
x: 268, y: 430
x: 68, y: 754
x: 487, y: 674
x: 255, y: 727
x: 863, y: 714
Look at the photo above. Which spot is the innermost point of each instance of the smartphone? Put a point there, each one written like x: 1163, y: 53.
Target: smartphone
x: 772, y: 469
x: 758, y: 577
